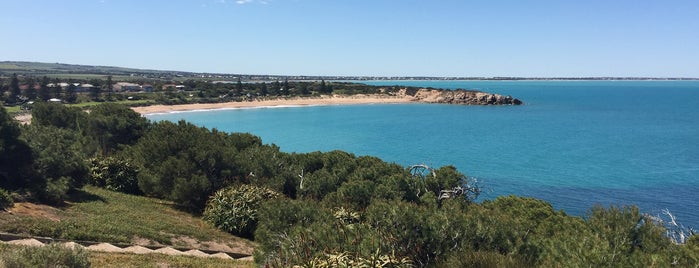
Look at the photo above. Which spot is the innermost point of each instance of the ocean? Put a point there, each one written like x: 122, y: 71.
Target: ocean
x: 573, y: 143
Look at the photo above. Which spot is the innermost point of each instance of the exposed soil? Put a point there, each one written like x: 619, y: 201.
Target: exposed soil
x: 36, y: 210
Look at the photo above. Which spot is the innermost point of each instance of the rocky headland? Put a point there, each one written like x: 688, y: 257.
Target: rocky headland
x: 459, y: 96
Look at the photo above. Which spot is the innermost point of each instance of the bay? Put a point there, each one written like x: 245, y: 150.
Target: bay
x: 574, y: 143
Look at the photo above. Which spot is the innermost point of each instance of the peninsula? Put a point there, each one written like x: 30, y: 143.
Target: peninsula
x: 405, y: 95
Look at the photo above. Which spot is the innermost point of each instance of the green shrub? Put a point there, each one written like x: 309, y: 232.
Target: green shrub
x: 114, y: 174
x: 53, y: 255
x: 59, y: 162
x: 184, y: 163
x: 234, y: 209
x: 483, y: 259
x: 294, y: 232
x: 347, y: 259
x: 5, y: 199
x: 56, y: 190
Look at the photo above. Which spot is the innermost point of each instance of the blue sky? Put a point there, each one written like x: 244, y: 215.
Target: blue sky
x: 361, y: 37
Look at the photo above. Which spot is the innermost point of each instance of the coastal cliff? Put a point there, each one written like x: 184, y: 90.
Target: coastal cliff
x: 459, y: 96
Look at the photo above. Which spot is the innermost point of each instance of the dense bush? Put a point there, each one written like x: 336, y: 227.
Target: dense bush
x: 59, y: 163
x: 114, y: 174
x: 185, y: 163
x: 113, y: 125
x: 339, y: 208
x: 58, y: 115
x: 6, y: 200
x: 52, y: 255
x: 508, y: 231
x: 234, y: 209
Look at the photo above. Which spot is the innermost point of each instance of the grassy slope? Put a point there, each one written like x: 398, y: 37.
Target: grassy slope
x: 105, y: 216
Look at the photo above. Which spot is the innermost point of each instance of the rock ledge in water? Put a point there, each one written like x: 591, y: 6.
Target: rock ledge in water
x: 460, y: 96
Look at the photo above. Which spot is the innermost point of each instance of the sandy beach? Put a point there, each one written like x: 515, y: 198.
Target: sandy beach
x: 421, y: 96
x: 299, y: 101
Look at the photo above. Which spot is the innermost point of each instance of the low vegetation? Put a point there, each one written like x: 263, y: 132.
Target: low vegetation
x: 312, y: 209
x: 56, y: 255
x: 120, y: 260
x: 53, y: 255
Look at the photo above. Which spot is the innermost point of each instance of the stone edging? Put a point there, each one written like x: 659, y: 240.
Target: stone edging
x: 14, y: 239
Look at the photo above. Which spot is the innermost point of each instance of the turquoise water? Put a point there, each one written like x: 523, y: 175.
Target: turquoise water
x: 573, y: 143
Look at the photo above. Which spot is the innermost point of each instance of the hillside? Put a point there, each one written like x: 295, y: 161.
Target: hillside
x: 100, y: 215
x: 7, y: 68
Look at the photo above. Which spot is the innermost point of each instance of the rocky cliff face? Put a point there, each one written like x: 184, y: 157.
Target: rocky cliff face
x: 466, y: 97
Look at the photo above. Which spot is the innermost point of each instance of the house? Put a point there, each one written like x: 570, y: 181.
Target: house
x: 147, y: 87
x: 168, y: 86
x: 174, y: 87
x: 84, y: 88
x: 61, y: 85
x: 126, y: 86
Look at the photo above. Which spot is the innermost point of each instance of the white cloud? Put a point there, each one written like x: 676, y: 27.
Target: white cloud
x: 243, y: 2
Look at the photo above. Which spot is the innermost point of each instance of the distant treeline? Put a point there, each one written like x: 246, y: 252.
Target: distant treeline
x: 19, y: 90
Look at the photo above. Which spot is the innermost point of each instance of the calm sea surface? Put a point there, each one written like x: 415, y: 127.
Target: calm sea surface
x: 573, y: 143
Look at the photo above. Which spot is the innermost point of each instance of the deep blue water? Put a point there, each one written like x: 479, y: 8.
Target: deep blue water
x: 573, y: 143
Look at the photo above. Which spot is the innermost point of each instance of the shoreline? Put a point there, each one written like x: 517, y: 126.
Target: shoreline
x: 280, y: 102
x: 459, y: 97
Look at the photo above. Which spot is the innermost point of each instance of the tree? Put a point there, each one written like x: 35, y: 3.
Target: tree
x: 95, y: 93
x: 14, y: 90
x: 303, y: 88
x: 56, y: 88
x: 238, y: 87
x: 3, y: 89
x: 276, y: 86
x: 30, y: 93
x: 44, y: 93
x: 263, y: 89
x: 109, y: 88
x: 58, y: 115
x: 323, y: 87
x: 59, y: 164
x: 71, y: 96
x: 114, y: 125
x: 15, y: 155
x: 285, y: 87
